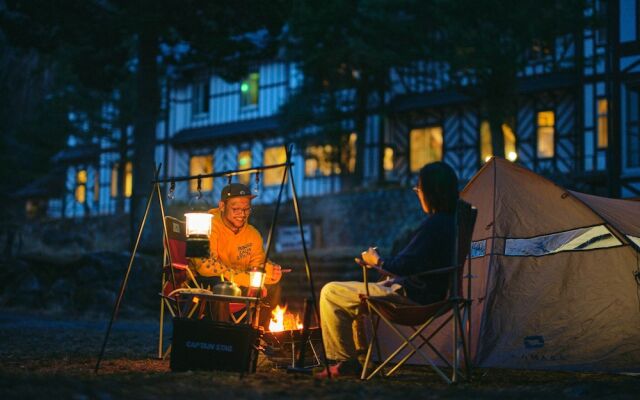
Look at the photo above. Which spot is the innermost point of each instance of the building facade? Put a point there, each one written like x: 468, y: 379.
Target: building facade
x: 577, y: 122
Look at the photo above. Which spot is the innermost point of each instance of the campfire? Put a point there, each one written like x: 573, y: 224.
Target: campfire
x: 281, y: 320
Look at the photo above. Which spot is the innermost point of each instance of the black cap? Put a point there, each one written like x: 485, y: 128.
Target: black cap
x: 235, y: 190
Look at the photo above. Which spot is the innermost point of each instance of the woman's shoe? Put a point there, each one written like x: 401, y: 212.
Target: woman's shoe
x: 349, y: 368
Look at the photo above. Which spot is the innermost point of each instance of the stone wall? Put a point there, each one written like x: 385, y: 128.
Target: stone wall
x: 353, y: 219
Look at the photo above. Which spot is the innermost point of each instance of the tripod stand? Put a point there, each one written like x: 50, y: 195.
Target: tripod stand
x: 287, y: 165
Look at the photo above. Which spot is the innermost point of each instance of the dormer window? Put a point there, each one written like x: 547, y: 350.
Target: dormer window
x: 250, y: 90
x: 200, y: 99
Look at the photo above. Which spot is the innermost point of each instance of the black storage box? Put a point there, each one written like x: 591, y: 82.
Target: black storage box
x: 211, y: 345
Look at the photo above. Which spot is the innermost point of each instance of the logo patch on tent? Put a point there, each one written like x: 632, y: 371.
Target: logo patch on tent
x: 533, y: 342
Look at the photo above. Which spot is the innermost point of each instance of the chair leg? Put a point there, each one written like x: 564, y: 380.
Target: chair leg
x: 407, y: 342
x: 465, y: 347
x: 161, y: 330
x: 425, y: 341
x: 372, y: 342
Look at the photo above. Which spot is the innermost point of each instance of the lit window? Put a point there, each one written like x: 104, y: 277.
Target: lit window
x: 349, y: 156
x: 81, y: 186
x: 603, y: 140
x: 387, y: 162
x: 114, y: 180
x: 244, y: 162
x: 425, y: 146
x: 201, y: 165
x: 272, y: 156
x: 486, y: 147
x: 546, y: 133
x: 249, y: 90
x: 509, y: 143
x: 319, y: 161
x: 96, y: 186
x: 128, y: 179
x: 200, y: 98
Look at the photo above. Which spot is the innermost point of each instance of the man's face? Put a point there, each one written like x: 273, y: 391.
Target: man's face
x: 236, y: 211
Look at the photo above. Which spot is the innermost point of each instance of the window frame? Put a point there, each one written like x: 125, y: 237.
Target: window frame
x: 537, y: 129
x: 206, y: 183
x: 267, y: 174
x: 200, y: 97
x: 247, y: 79
x: 425, y: 127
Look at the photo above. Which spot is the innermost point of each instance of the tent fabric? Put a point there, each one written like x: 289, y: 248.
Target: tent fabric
x: 577, y: 308
x: 624, y: 215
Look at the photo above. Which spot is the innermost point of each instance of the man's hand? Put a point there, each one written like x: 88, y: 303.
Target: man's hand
x: 276, y: 273
x: 371, y: 256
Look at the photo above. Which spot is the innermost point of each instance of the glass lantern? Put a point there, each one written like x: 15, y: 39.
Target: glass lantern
x: 256, y: 278
x: 198, y: 229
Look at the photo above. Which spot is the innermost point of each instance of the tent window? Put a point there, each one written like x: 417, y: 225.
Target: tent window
x: 201, y: 165
x: 272, y: 156
x: 634, y: 239
x: 546, y: 133
x: 244, y: 162
x: 478, y: 249
x: 425, y: 145
x: 595, y: 237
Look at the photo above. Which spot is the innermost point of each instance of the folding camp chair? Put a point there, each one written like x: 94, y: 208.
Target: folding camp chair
x: 175, y: 272
x: 397, y: 312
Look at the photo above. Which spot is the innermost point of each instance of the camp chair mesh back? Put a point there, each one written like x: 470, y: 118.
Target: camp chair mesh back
x: 454, y: 309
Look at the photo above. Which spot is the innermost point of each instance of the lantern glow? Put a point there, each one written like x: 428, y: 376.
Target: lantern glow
x: 198, y: 224
x: 256, y: 278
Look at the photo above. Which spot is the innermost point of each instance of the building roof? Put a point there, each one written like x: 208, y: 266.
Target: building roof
x: 206, y: 133
x: 77, y: 154
x: 46, y: 186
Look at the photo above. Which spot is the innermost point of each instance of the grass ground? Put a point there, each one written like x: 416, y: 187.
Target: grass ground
x: 53, y: 357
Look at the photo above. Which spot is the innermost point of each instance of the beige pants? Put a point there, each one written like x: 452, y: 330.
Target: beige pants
x: 339, y: 310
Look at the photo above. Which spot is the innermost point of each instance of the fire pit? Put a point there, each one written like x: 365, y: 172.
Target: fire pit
x: 282, y: 348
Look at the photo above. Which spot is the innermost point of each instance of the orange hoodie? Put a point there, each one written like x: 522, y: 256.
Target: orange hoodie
x: 239, y: 251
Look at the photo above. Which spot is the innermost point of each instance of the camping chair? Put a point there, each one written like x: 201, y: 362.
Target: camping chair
x: 396, y: 313
x: 175, y: 271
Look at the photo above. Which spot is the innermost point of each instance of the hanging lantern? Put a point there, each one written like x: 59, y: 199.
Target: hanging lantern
x: 198, y: 227
x: 198, y: 224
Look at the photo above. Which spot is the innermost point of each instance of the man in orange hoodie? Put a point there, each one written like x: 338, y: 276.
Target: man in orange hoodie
x: 236, y: 246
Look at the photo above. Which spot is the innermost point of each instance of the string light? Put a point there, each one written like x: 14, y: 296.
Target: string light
x: 172, y: 190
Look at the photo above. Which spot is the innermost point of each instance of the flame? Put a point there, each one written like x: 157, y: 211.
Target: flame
x: 281, y: 320
x: 277, y: 319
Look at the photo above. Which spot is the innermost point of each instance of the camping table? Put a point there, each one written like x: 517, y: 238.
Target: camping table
x: 225, y: 299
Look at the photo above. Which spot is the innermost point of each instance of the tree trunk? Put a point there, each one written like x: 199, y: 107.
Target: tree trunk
x: 146, y: 117
x: 362, y: 96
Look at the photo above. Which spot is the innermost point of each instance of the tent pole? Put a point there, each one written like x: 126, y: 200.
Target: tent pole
x: 123, y: 285
x: 296, y: 208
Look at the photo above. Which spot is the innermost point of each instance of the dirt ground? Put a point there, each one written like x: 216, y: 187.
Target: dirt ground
x: 53, y: 357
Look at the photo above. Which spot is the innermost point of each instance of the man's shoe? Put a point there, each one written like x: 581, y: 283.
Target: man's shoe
x: 341, y: 369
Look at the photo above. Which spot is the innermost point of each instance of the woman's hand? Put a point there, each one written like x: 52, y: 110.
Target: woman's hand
x: 371, y: 256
